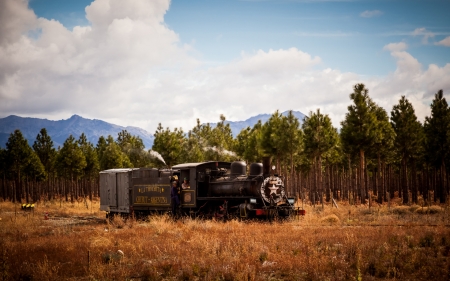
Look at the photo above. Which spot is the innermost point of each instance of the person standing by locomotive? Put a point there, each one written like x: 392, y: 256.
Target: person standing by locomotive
x: 175, y: 201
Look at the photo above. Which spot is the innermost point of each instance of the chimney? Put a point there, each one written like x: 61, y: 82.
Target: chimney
x: 266, y: 166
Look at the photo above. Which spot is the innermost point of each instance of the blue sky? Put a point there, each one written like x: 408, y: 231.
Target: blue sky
x: 202, y: 58
x: 337, y: 31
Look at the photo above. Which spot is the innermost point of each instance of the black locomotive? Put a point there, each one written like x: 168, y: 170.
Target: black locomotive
x: 217, y: 189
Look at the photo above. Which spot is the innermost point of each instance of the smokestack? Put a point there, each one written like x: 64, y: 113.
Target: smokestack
x: 266, y: 166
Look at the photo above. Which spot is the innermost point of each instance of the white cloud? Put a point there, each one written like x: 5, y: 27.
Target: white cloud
x: 423, y: 32
x: 396, y: 47
x: 91, y: 70
x: 371, y: 14
x: 129, y: 68
x: 412, y: 80
x: 445, y: 42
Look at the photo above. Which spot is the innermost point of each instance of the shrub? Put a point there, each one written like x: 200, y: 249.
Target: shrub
x: 118, y: 221
x: 429, y: 210
x: 331, y: 219
x: 263, y: 256
x: 427, y: 240
x: 414, y: 207
x: 401, y: 210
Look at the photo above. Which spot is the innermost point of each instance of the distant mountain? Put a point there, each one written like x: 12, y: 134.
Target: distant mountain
x: 237, y: 126
x: 60, y: 130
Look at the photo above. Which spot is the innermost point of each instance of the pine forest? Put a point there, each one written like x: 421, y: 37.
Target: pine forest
x: 375, y: 155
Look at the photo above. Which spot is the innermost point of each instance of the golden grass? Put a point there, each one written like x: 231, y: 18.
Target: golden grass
x: 332, y: 244
x: 429, y: 210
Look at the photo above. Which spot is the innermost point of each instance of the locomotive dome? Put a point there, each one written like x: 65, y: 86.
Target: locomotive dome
x: 238, y: 168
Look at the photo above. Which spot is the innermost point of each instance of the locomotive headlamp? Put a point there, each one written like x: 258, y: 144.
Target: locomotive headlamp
x: 252, y: 200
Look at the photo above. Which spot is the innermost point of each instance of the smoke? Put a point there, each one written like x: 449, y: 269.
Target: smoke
x: 220, y: 151
x: 156, y: 154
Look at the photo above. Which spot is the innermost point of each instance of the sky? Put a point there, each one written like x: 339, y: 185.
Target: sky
x: 144, y: 62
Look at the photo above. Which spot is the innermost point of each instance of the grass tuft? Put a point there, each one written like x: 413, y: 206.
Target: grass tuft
x: 330, y: 219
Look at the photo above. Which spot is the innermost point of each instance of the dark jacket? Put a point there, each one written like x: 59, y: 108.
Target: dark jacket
x: 174, y: 195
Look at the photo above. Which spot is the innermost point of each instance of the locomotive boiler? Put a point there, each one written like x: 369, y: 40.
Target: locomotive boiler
x: 217, y: 189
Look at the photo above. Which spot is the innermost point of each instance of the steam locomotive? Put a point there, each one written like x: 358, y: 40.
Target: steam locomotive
x: 217, y: 189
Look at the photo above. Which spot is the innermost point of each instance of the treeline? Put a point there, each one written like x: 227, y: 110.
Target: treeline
x: 374, y: 155
x: 70, y: 172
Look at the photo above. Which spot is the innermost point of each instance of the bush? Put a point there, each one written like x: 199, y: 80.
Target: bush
x: 331, y: 219
x: 427, y: 240
x: 429, y: 210
x: 414, y: 207
x: 401, y: 210
x: 118, y: 221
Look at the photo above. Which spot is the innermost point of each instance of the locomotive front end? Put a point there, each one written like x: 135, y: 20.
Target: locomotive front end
x: 272, y: 190
x: 272, y: 202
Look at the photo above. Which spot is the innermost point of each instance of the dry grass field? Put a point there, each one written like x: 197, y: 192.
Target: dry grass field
x: 349, y: 243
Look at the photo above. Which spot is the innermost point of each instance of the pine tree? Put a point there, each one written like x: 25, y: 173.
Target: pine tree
x: 254, y: 152
x: 169, y: 144
x: 133, y: 147
x: 319, y: 138
x: 43, y: 146
x: 193, y: 152
x: 248, y: 143
x: 272, y: 138
x: 111, y: 155
x: 359, y: 129
x: 382, y: 147
x: 291, y: 143
x: 437, y: 145
x: 408, y: 140
x: 92, y: 163
x: 3, y: 174
x: 35, y: 170
x: 220, y: 142
x: 22, y: 161
x: 70, y: 161
x: 100, y: 149
x: 241, y: 144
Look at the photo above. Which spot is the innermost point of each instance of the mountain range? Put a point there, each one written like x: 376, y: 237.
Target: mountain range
x: 60, y: 130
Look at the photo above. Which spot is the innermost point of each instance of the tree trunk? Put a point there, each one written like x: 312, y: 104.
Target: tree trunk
x: 442, y: 188
x: 350, y: 181
x: 18, y: 190
x: 414, y: 182
x: 378, y: 182
x: 383, y: 181
x: 391, y: 182
x: 315, y: 180
x: 404, y: 180
x: 435, y: 184
x: 361, y: 174
x: 327, y: 183
x: 320, y: 183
